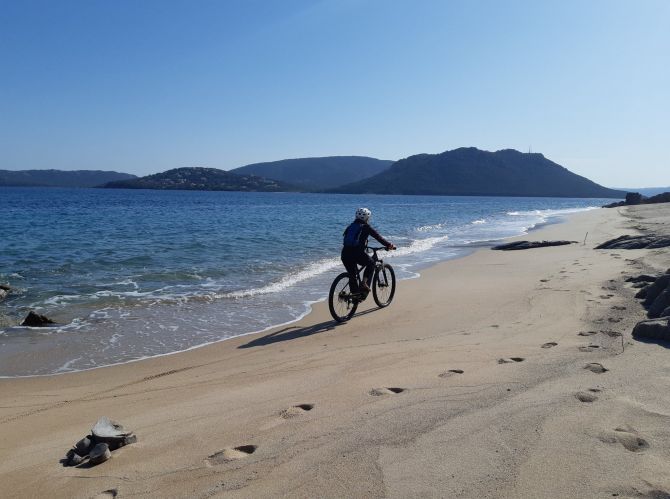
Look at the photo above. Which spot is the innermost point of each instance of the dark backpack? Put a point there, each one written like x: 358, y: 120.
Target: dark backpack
x: 352, y: 234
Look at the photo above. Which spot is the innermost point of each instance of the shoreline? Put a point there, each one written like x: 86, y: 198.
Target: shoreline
x: 467, y: 420
x: 467, y: 250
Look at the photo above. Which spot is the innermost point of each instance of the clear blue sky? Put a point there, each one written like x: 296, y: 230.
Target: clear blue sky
x: 144, y: 86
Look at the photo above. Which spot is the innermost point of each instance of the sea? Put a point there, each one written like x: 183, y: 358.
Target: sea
x: 132, y: 274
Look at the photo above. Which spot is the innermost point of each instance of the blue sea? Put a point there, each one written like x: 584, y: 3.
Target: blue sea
x: 130, y: 274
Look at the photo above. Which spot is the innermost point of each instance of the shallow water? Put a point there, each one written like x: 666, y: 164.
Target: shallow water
x: 132, y: 273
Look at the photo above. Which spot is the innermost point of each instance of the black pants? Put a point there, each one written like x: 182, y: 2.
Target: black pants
x: 355, y: 256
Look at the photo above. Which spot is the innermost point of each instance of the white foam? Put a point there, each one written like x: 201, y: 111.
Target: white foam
x: 286, y: 281
x: 427, y: 228
x: 478, y: 222
x: 549, y: 212
x: 418, y: 246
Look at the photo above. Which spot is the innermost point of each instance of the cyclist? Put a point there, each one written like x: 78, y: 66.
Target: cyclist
x: 353, y: 250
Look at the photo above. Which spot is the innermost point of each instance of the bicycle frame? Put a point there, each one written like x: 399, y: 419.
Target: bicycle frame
x: 378, y: 262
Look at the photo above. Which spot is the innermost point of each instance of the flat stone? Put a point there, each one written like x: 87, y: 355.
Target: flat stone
x: 636, y: 242
x: 522, y: 245
x: 130, y: 439
x: 99, y: 454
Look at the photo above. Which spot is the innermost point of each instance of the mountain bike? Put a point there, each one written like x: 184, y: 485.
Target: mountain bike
x: 343, y: 303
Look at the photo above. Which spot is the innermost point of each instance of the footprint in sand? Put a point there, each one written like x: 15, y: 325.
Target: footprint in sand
x: 377, y: 392
x: 587, y: 333
x: 589, y: 348
x: 618, y: 307
x: 586, y: 397
x: 231, y: 454
x: 628, y: 437
x: 595, y: 367
x: 106, y: 494
x: 450, y: 372
x: 296, y: 410
x: 549, y: 344
x: 511, y: 360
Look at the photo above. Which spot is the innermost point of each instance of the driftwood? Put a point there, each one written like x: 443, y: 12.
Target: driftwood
x: 522, y: 245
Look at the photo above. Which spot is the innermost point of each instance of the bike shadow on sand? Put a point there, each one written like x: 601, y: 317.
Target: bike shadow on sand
x: 295, y: 332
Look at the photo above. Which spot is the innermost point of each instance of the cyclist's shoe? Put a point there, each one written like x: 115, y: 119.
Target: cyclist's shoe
x: 365, y: 289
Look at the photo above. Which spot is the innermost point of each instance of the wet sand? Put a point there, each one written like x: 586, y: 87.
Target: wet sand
x: 501, y: 374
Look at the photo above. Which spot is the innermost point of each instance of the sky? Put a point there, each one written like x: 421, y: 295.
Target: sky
x: 146, y: 86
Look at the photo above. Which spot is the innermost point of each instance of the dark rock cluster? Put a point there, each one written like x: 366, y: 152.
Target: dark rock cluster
x: 106, y: 436
x: 522, y: 245
x: 36, y: 320
x: 655, y: 295
x: 636, y: 242
x: 633, y: 198
x: 4, y: 291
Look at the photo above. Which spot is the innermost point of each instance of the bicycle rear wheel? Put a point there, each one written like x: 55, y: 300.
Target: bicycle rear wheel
x: 340, y: 302
x: 383, y: 285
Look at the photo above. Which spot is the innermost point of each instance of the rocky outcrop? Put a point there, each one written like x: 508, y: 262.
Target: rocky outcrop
x: 653, y: 290
x: 655, y: 298
x: 636, y: 242
x: 522, y: 245
x: 106, y: 436
x: 654, y: 329
x: 4, y: 291
x: 36, y: 320
x: 633, y: 198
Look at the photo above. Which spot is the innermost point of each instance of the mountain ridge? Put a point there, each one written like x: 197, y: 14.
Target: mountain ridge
x: 317, y: 173
x: 201, y: 179
x: 60, y: 178
x: 468, y: 171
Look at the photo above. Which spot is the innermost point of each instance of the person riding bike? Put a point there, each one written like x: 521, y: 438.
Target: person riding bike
x: 353, y: 249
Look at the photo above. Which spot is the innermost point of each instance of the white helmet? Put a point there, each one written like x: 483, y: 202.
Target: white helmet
x: 363, y: 214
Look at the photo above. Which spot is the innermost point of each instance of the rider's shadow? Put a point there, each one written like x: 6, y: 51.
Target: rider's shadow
x: 290, y: 333
x: 294, y: 332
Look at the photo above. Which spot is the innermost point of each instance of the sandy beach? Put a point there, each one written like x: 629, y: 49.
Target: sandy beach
x: 471, y: 384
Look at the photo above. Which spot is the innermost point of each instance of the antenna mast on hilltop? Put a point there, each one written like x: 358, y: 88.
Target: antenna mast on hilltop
x: 530, y: 149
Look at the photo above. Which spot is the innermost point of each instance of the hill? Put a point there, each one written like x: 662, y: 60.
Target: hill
x: 59, y: 178
x: 317, y: 174
x: 201, y: 179
x: 472, y: 172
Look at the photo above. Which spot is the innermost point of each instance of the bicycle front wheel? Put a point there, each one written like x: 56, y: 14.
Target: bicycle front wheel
x: 383, y: 285
x: 340, y: 302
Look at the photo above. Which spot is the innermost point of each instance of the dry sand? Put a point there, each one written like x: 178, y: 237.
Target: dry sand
x: 373, y: 408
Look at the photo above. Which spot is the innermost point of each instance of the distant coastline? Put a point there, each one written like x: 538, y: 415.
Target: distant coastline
x: 465, y: 171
